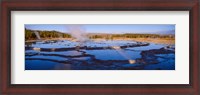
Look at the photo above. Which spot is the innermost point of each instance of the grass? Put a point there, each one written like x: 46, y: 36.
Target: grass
x: 156, y: 40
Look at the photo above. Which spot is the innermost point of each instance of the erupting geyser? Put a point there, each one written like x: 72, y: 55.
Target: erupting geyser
x: 78, y: 32
x: 37, y: 35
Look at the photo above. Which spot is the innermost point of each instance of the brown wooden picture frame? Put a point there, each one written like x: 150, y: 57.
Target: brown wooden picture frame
x: 193, y: 88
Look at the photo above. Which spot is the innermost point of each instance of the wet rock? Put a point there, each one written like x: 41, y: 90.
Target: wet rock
x: 132, y: 66
x: 140, y: 61
x: 84, y: 64
x: 153, y: 61
x: 150, y: 56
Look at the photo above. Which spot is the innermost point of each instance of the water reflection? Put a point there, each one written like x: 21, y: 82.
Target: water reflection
x: 148, y: 57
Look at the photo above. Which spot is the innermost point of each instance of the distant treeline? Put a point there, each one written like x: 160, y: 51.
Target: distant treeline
x: 111, y: 36
x: 30, y: 35
x: 142, y: 36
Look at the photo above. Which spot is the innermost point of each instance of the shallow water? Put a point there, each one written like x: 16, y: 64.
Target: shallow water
x: 151, y: 46
x: 104, y: 59
x: 114, y: 54
x: 166, y: 63
x: 45, y: 65
x: 67, y: 44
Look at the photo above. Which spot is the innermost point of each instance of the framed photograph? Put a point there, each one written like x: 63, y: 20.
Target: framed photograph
x: 137, y: 47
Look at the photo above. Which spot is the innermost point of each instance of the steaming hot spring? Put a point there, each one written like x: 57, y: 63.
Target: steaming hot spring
x: 62, y: 45
x: 99, y: 54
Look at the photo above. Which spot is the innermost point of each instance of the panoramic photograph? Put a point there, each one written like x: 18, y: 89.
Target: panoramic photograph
x: 99, y: 46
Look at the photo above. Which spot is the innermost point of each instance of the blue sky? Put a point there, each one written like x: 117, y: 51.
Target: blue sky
x: 109, y: 28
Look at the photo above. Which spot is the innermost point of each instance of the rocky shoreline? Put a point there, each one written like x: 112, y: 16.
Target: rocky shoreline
x: 84, y: 47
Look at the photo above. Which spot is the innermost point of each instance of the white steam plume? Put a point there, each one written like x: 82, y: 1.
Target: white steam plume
x: 78, y: 32
x: 37, y: 35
